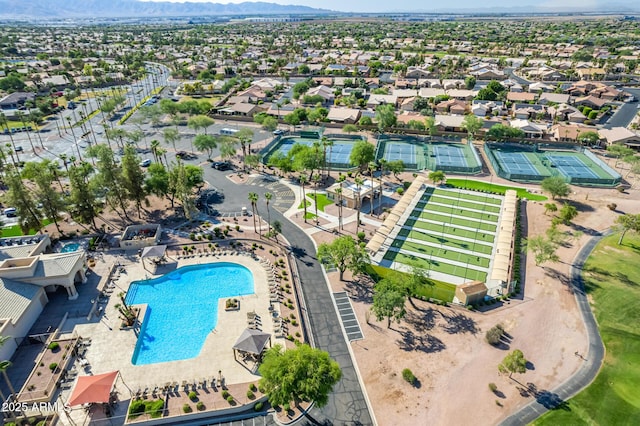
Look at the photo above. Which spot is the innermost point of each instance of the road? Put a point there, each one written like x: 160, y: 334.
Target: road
x: 584, y: 376
x: 347, y: 405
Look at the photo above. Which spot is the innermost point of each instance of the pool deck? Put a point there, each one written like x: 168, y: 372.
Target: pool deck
x: 112, y: 349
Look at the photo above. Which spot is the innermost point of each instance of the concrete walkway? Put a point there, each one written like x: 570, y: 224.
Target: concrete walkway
x: 584, y: 376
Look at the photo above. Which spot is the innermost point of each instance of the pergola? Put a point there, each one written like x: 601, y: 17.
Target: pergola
x: 92, y: 389
x: 251, y: 341
x: 155, y: 252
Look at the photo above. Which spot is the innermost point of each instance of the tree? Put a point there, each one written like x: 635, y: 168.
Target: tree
x: 205, y: 143
x: 437, y: 177
x: 20, y: 197
x: 253, y: 198
x: 344, y: 253
x: 267, y: 198
x: 396, y: 167
x: 43, y: 174
x: 514, y: 362
x: 245, y: 136
x: 110, y: 178
x: 471, y: 124
x: 157, y: 182
x: 567, y: 213
x: 171, y: 136
x: 385, y: 116
x: 349, y: 128
x: 627, y: 222
x: 542, y: 248
x: 588, y: 138
x: 469, y: 82
x: 200, y: 122
x: 133, y: 178
x: 550, y: 207
x: 303, y: 181
x: 555, y: 186
x: 359, y: 182
x: 83, y: 199
x: 620, y: 151
x: 299, y: 374
x: 361, y: 155
x: 388, y: 301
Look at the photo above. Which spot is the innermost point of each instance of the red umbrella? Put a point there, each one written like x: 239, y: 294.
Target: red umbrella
x: 93, y: 388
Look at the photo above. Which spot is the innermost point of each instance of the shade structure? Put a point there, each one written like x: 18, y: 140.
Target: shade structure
x: 91, y: 389
x: 153, y: 251
x: 252, y: 341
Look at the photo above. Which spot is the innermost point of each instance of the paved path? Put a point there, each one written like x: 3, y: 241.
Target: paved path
x: 584, y: 376
x: 347, y: 404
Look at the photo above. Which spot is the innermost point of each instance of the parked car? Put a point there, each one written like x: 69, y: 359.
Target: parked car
x: 221, y: 165
x: 10, y: 212
x: 145, y: 163
x: 278, y: 132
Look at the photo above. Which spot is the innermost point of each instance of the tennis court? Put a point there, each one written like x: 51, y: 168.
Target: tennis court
x: 570, y: 166
x: 337, y: 155
x: 516, y: 163
x: 450, y: 156
x: 400, y: 151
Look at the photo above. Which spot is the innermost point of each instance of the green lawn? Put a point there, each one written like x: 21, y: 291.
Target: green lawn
x: 476, y: 185
x: 15, y: 231
x: 307, y: 202
x: 612, y: 280
x: 446, y: 240
x: 322, y: 201
x: 437, y: 290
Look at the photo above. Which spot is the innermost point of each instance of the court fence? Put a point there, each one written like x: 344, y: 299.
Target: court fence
x: 540, y: 149
x: 465, y: 170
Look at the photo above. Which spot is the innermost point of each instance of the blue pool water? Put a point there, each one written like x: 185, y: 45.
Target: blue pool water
x: 182, y: 309
x: 70, y: 247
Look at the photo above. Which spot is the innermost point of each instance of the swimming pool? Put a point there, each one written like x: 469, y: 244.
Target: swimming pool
x: 182, y: 309
x: 68, y: 248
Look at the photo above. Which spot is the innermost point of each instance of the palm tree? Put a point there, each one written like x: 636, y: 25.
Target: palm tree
x: 13, y: 144
x: 303, y: 180
x: 267, y: 197
x: 253, y: 197
x: 341, y: 179
x: 316, y: 180
x: 22, y: 119
x: 372, y: 168
x: 382, y: 162
x: 155, y: 144
x: 359, y: 183
x: 329, y: 143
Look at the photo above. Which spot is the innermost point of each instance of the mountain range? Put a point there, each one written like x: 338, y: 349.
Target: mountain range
x: 74, y: 9
x: 48, y: 9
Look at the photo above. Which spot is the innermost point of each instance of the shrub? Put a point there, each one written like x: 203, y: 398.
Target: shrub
x: 200, y: 406
x: 136, y: 408
x: 250, y: 395
x: 53, y: 366
x: 253, y: 387
x: 400, y: 191
x: 286, y: 407
x: 408, y: 376
x: 225, y: 394
x: 258, y: 406
x: 494, y: 334
x: 193, y: 396
x: 192, y: 236
x: 294, y: 322
x: 361, y: 236
x: 230, y: 399
x: 54, y: 346
x: 612, y: 206
x: 406, y: 185
x: 498, y: 403
x: 186, y: 408
x: 493, y: 387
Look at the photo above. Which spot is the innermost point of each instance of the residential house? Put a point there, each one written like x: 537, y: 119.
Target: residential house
x: 482, y: 108
x: 452, y: 106
x: 406, y: 116
x: 521, y: 96
x: 591, y: 73
x: 418, y: 72
x: 324, y: 92
x: 16, y: 100
x: 531, y: 130
x: 429, y: 92
x: 246, y: 110
x: 620, y: 136
x: 449, y: 123
x: 489, y: 74
x: 462, y: 94
x: 539, y: 87
x: 452, y: 84
x: 343, y: 115
x: 556, y: 98
x: 375, y: 100
x: 569, y: 132
x: 527, y: 111
x: 591, y: 101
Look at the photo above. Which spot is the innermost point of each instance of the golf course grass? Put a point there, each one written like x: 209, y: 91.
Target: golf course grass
x: 476, y: 185
x: 612, y: 281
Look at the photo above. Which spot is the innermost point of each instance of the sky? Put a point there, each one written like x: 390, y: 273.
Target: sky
x: 375, y: 6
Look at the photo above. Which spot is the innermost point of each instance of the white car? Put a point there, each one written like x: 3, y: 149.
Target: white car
x: 145, y: 163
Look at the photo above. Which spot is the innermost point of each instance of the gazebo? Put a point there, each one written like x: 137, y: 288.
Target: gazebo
x: 154, y: 252
x: 251, y: 341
